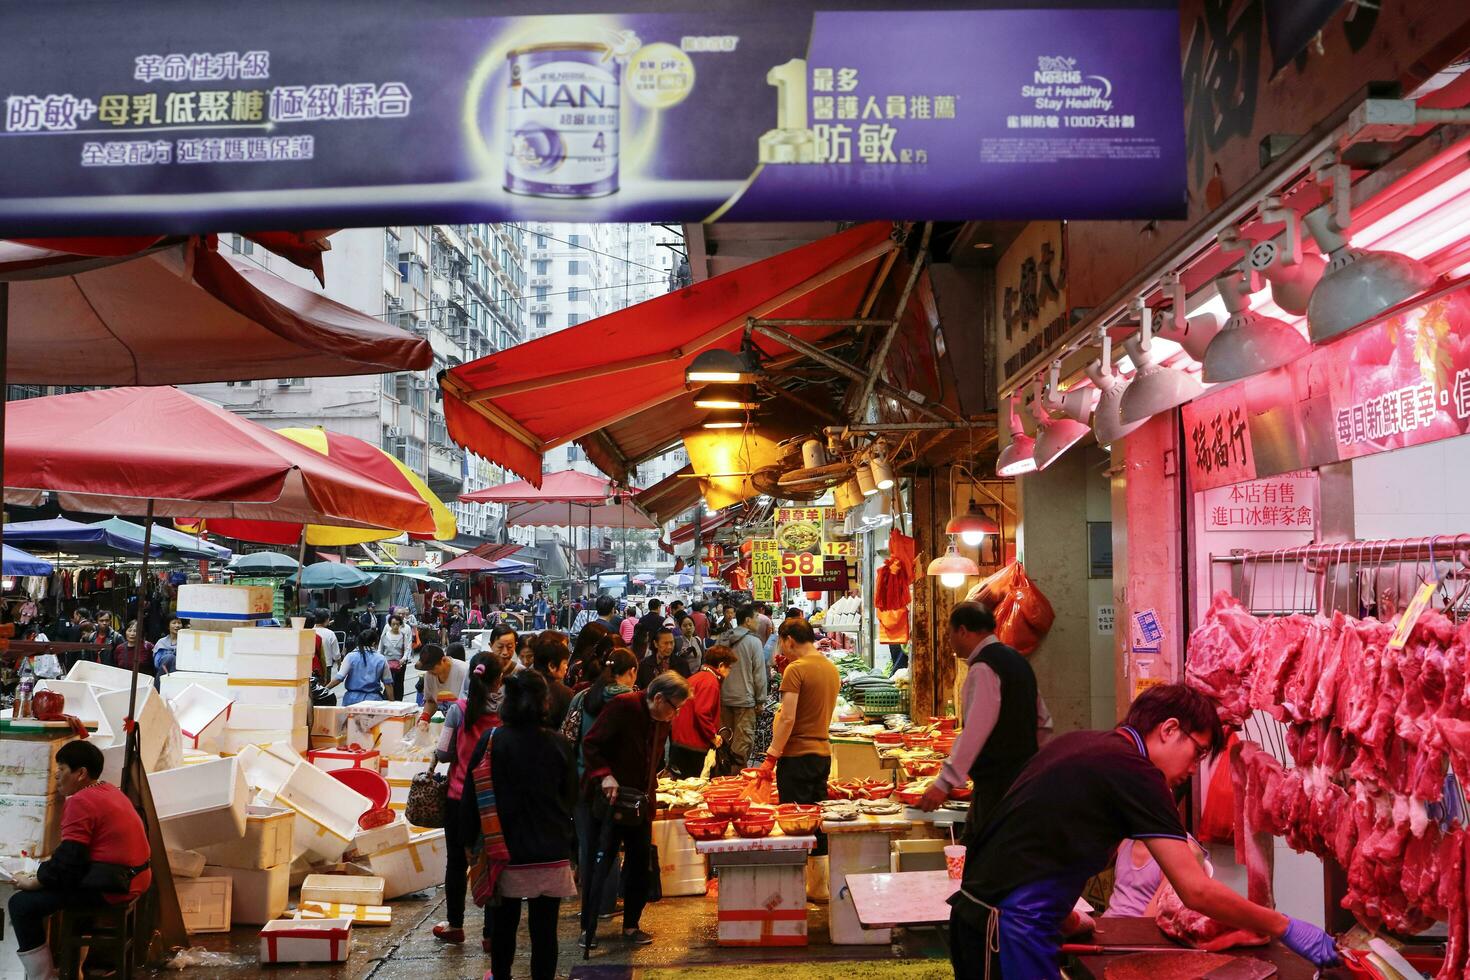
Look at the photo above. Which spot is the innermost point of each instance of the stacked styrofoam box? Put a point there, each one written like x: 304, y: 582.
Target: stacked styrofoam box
x: 160, y: 741
x: 267, y: 768
x: 270, y: 673
x: 258, y: 895
x: 205, y: 903
x: 681, y: 867
x: 30, y: 813
x: 201, y: 714
x: 366, y: 843
x: 174, y: 684
x: 205, y: 651
x: 98, y: 695
x: 400, y: 775
x: 225, y: 603
x: 201, y: 804
x: 411, y: 867
x: 326, y: 812
x: 267, y: 841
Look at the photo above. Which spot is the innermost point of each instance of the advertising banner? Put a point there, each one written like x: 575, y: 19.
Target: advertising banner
x: 1401, y: 381
x: 166, y: 117
x: 765, y: 567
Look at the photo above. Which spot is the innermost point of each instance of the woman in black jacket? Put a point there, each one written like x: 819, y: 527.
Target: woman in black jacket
x: 535, y: 781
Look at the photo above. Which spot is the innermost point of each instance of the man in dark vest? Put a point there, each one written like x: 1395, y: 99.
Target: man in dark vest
x: 1004, y: 715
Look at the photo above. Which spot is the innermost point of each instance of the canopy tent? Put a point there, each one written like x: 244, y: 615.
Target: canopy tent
x: 171, y: 542
x: 34, y: 258
x: 363, y: 457
x: 404, y: 571
x: 331, y: 575
x: 17, y: 562
x: 78, y: 538
x: 645, y: 578
x: 514, y: 405
x: 472, y: 563
x: 183, y: 313
x: 164, y: 451
x: 264, y: 563
x: 597, y: 502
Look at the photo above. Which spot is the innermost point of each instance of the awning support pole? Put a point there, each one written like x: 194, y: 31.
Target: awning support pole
x: 841, y: 366
x: 131, y: 751
x: 859, y: 408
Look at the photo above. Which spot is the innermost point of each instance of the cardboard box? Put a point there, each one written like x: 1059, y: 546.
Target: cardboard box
x: 205, y: 903
x: 306, y: 941
x: 269, y: 831
x: 343, y: 889
x: 363, y: 915
x: 258, y: 895
x: 233, y: 603
x: 203, y: 650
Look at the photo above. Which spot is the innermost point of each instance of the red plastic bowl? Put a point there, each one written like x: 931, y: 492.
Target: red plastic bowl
x: 727, y: 807
x: 888, y: 738
x: 910, y: 797
x: 923, y: 767
x: 367, y: 782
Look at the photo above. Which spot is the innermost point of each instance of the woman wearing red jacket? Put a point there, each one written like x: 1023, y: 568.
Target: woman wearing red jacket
x: 695, y: 730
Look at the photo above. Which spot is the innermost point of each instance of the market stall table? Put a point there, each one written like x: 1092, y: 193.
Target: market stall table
x: 910, y: 898
x: 1141, y: 931
x: 762, y: 898
x: 855, y: 847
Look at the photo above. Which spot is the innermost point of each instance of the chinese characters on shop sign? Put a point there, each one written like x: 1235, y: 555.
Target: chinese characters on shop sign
x: 1403, y: 411
x: 835, y: 101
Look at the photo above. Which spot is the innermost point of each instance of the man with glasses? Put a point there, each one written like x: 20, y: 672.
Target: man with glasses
x: 1082, y: 795
x: 1003, y: 715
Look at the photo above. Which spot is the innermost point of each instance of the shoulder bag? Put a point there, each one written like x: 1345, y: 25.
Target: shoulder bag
x: 428, y: 798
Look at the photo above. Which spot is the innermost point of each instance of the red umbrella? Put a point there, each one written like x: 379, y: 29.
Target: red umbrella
x: 176, y: 314
x: 600, y: 503
x: 166, y: 452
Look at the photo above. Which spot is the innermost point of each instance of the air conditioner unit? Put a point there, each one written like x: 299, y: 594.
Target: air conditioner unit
x: 283, y: 382
x: 422, y: 384
x: 394, y: 304
x: 407, y: 255
x: 393, y: 431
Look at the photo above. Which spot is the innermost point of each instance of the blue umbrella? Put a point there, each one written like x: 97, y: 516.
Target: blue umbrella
x: 17, y: 562
x: 172, y: 542
x: 264, y: 563
x: 332, y: 575
x: 680, y: 580
x: 78, y: 538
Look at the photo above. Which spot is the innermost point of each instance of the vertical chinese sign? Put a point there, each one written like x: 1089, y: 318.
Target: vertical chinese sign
x: 765, y: 566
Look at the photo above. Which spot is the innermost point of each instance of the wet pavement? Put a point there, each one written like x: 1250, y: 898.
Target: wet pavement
x: 683, y: 930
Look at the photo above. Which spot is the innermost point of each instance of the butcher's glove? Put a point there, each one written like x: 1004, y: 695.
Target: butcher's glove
x: 1310, y: 943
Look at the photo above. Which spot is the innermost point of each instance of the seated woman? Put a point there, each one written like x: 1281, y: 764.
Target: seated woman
x: 1137, y: 877
x: 102, y: 858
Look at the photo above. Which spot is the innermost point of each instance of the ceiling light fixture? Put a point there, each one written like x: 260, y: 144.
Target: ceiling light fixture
x: 1292, y: 273
x: 1154, y: 388
x: 1191, y: 333
x: 952, y: 568
x: 719, y: 365
x: 880, y: 468
x: 1018, y: 456
x: 1249, y: 343
x: 1055, y: 435
x: 726, y: 396
x: 866, y: 484
x: 1107, y: 424
x: 971, y: 526
x: 1357, y: 285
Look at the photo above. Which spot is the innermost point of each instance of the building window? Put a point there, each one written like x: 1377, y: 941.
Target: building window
x: 543, y: 266
x: 541, y: 294
x: 575, y: 241
x: 241, y: 245
x: 574, y: 268
x: 573, y: 294
x: 540, y: 241
x: 573, y: 319
x: 540, y: 320
x: 391, y: 247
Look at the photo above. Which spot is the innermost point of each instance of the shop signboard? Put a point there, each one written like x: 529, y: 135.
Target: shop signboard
x: 839, y: 549
x: 831, y: 577
x: 186, y: 118
x: 1284, y: 503
x: 801, y: 531
x: 801, y: 563
x: 765, y: 566
x: 1403, y: 380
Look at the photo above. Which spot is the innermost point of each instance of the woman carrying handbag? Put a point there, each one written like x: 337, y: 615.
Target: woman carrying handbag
x: 464, y: 724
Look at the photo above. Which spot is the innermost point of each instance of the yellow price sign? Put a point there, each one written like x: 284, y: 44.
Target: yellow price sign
x: 765, y: 565
x: 800, y: 563
x: 839, y: 549
x: 1411, y: 615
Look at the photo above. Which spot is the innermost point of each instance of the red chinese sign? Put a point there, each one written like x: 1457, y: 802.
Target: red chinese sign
x: 1218, y: 439
x: 1286, y: 503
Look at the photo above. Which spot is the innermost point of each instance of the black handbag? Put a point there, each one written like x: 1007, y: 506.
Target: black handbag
x: 630, y: 808
x: 110, y: 878
x: 655, y: 876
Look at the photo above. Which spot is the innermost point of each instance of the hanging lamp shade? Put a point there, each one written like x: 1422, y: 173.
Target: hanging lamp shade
x: 727, y: 418
x: 1249, y: 343
x: 1154, y: 388
x: 1018, y: 457
x: 952, y: 568
x: 718, y: 365
x: 1357, y: 285
x: 1056, y: 433
x: 882, y: 472
x: 971, y: 526
x: 727, y: 396
x: 866, y: 485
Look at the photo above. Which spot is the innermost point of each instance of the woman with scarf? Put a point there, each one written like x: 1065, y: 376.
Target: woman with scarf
x: 464, y: 723
x: 523, y: 783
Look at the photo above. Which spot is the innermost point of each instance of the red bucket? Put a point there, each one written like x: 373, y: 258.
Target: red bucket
x: 367, y: 782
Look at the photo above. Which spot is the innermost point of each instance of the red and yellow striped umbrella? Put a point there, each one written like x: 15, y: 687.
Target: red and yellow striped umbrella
x: 363, y: 457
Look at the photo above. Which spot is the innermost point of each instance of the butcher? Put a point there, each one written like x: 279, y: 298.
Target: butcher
x: 1074, y: 803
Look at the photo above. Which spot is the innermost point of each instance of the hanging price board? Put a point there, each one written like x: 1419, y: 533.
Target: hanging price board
x: 839, y: 549
x: 765, y: 565
x: 800, y: 563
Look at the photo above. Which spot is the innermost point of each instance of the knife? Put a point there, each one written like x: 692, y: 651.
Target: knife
x: 1091, y: 949
x: 1242, y: 969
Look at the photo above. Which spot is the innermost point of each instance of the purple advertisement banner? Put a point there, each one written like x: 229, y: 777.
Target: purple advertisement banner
x: 159, y: 117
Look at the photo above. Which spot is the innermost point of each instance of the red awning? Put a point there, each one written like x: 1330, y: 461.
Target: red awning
x: 494, y: 552
x: 567, y: 498
x: 182, y: 314
x: 512, y: 406
x: 685, y: 532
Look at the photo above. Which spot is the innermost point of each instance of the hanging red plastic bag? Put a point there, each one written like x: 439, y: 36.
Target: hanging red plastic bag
x: 1033, y: 605
x: 993, y: 590
x: 893, y: 625
x: 1022, y: 614
x: 1217, y: 816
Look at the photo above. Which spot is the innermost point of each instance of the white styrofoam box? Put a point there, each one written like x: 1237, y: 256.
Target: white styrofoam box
x: 411, y: 867
x: 316, y: 743
x: 266, y: 667
x: 681, y: 867
x: 755, y: 893
x: 172, y: 685
x: 368, y: 842
x: 274, y: 642
x: 236, y: 739
x: 398, y: 790
x: 266, y: 772
x: 185, y: 864
x: 159, y: 735
x: 343, y: 889
x: 282, y: 717
x: 329, y: 759
x: 81, y: 700
x: 316, y: 843
x: 205, y: 903
x: 258, y: 895
x: 30, y: 826
x: 27, y: 766
x: 203, y: 650
x: 327, y: 801
x: 306, y: 941
x: 300, y: 868
x: 106, y: 677
x: 327, y: 720
x: 267, y: 841
x: 236, y: 603
x: 200, y: 713
x: 267, y: 690
x: 406, y: 768
x: 199, y: 805
x: 363, y: 915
